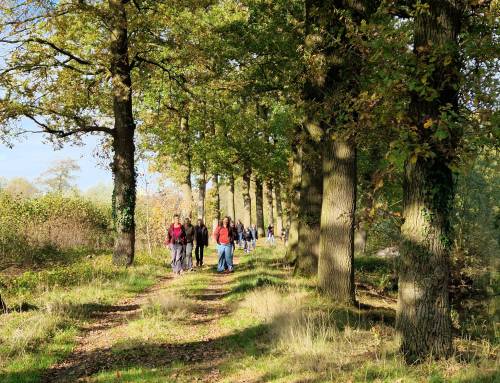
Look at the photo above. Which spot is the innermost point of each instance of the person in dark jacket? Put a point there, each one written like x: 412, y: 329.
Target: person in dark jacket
x: 201, y: 237
x: 247, y: 235
x: 175, y: 240
x: 255, y: 236
x: 188, y: 247
x: 236, y: 236
x: 240, y: 230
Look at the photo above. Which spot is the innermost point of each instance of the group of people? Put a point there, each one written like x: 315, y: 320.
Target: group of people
x: 181, y: 238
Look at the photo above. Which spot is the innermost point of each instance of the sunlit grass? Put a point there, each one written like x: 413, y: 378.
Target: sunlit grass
x: 58, y: 300
x: 275, y: 328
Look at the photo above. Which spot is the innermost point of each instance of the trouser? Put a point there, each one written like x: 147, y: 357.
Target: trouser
x: 254, y: 243
x: 225, y: 253
x: 177, y: 257
x: 240, y: 239
x: 188, y: 256
x: 198, y: 252
x: 270, y: 239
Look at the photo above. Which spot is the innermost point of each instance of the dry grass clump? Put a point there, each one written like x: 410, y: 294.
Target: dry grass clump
x: 313, y: 339
x: 270, y: 303
x: 169, y: 305
x: 25, y: 331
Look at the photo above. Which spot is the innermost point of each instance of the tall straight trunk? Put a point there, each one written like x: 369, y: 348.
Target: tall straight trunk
x: 3, y: 306
x: 423, y: 312
x: 309, y: 214
x: 231, y: 207
x: 247, y: 200
x: 270, y: 204
x: 124, y: 193
x: 202, y: 189
x: 259, y: 205
x: 293, y: 236
x: 186, y: 170
x: 279, y: 209
x: 335, y: 268
x: 216, y: 205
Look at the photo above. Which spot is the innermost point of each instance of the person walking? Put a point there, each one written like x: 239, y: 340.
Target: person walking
x: 224, y: 237
x: 176, y: 239
x: 270, y: 235
x: 248, y: 240
x: 188, y: 247
x: 234, y: 237
x: 255, y: 235
x: 201, y: 237
x: 241, y: 230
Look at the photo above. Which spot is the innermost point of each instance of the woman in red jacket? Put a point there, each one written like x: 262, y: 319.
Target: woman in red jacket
x: 224, y: 236
x: 176, y: 239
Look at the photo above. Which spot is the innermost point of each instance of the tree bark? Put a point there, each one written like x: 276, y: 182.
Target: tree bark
x: 293, y: 236
x: 231, y: 207
x: 270, y: 204
x: 3, y: 306
x: 247, y: 201
x: 202, y: 189
x: 279, y: 209
x: 216, y: 206
x: 309, y: 214
x: 335, y: 268
x: 259, y: 206
x: 124, y: 193
x: 186, y: 170
x: 423, y: 312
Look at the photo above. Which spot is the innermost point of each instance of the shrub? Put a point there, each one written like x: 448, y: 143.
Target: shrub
x: 39, y: 229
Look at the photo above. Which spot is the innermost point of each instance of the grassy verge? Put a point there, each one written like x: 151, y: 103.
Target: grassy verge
x: 48, y: 307
x: 287, y: 332
x: 260, y: 324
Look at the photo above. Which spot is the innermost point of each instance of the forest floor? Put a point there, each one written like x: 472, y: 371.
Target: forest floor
x: 259, y: 324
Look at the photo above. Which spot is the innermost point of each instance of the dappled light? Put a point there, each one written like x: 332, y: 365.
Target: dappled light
x: 249, y: 191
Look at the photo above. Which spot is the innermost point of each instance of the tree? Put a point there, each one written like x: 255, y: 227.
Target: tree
x: 21, y: 187
x: 76, y: 55
x: 423, y: 314
x: 58, y: 177
x: 259, y: 205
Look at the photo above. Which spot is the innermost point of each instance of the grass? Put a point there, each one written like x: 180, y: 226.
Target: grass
x: 265, y: 326
x: 50, y: 305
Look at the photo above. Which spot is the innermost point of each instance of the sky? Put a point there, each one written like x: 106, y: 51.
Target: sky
x: 31, y: 156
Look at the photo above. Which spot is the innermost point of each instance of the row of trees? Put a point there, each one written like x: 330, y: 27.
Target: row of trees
x: 296, y: 95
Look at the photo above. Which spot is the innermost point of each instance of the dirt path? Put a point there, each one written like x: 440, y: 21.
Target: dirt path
x: 94, y: 351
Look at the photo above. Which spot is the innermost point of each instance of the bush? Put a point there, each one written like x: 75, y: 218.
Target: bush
x: 36, y: 230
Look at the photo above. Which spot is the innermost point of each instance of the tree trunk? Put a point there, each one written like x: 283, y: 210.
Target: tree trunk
x: 231, y: 207
x: 423, y: 312
x: 186, y: 170
x: 309, y: 214
x: 216, y: 206
x: 259, y: 206
x: 202, y: 189
x: 124, y: 193
x: 247, y: 201
x: 335, y: 268
x: 3, y: 306
x: 279, y: 209
x: 293, y: 236
x: 270, y: 204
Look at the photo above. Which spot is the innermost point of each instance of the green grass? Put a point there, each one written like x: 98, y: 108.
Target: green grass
x: 54, y: 302
x: 275, y: 327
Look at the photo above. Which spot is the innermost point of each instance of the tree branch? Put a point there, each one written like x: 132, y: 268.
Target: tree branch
x: 50, y: 44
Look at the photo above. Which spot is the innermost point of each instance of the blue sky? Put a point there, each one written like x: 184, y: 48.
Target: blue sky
x: 31, y: 156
